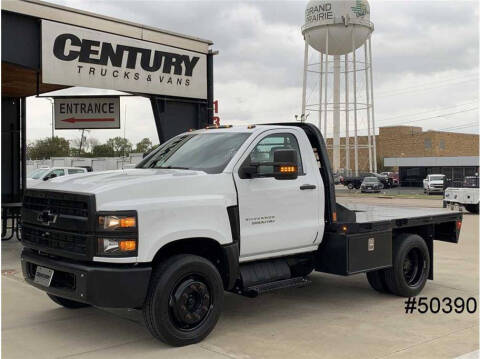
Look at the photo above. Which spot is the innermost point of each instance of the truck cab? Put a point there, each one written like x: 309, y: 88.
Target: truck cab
x: 246, y: 209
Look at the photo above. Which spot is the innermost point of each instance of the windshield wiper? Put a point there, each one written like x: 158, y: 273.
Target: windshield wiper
x: 174, y: 167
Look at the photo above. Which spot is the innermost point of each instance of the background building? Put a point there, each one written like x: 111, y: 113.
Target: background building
x: 416, y: 153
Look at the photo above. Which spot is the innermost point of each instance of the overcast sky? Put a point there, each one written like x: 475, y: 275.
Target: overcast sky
x: 425, y: 61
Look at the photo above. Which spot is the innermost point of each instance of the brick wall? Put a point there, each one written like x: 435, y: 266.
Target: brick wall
x: 410, y: 141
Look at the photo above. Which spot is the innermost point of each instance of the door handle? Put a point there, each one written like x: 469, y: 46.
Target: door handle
x: 307, y: 186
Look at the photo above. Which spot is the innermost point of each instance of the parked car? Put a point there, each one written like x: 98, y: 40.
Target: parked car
x: 356, y: 181
x: 433, y: 183
x: 371, y: 184
x: 44, y: 174
x: 395, y: 179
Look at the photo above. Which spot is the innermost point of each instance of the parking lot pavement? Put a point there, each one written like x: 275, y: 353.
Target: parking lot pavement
x: 334, y: 317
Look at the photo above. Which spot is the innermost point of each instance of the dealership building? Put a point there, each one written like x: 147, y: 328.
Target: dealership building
x: 414, y: 153
x: 48, y: 47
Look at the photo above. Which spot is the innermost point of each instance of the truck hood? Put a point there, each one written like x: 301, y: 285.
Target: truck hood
x: 107, y: 181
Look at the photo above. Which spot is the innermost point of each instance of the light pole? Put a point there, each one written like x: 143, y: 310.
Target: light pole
x: 52, y: 101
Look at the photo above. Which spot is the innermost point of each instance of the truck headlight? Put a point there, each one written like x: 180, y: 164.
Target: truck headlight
x: 110, y: 222
x: 117, y: 234
x: 117, y: 247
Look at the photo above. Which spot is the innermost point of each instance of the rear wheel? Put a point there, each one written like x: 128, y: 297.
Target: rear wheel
x: 67, y: 303
x: 472, y: 208
x: 184, y: 300
x: 411, y: 266
x: 350, y: 186
x: 376, y: 279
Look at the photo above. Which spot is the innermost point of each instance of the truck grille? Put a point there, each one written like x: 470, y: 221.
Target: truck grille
x: 57, y: 205
x: 54, y: 241
x: 59, y: 223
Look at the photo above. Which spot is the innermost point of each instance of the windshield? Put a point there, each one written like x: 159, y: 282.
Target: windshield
x: 436, y: 178
x: 37, y: 174
x: 370, y: 179
x: 209, y: 152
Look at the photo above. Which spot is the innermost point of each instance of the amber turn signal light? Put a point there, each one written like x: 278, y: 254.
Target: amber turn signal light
x: 288, y: 169
x: 127, y: 246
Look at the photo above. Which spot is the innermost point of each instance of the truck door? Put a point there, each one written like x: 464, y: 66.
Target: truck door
x: 277, y: 216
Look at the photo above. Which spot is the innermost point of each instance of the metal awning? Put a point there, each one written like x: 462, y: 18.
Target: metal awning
x: 461, y: 161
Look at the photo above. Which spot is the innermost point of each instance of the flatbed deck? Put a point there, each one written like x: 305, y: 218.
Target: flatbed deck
x: 366, y: 213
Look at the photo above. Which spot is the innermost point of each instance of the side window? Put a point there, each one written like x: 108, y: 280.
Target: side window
x: 263, y: 151
x: 59, y: 172
x: 72, y: 171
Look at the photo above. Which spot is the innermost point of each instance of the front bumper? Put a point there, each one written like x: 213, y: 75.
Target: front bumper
x: 435, y: 189
x: 371, y: 190
x: 103, y: 285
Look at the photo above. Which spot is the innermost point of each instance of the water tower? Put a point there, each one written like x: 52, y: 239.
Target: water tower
x: 339, y: 78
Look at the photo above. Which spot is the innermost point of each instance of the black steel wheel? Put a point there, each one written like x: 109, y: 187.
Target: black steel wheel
x: 190, y: 303
x: 350, y: 186
x: 184, y: 300
x: 411, y: 266
x: 67, y: 303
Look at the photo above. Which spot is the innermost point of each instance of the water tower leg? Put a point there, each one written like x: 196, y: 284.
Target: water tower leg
x: 347, y: 125
x: 367, y: 90
x: 355, y: 139
x: 325, y: 119
x: 304, y: 89
x: 320, y: 92
x: 373, y: 107
x: 336, y: 113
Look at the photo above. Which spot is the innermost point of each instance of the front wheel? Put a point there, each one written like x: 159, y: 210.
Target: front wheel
x: 350, y: 186
x: 184, y: 300
x: 411, y: 266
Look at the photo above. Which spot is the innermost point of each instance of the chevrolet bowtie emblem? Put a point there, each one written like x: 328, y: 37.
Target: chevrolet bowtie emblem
x: 47, y: 218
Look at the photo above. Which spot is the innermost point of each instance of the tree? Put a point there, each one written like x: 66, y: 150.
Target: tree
x: 103, y: 151
x: 49, y: 147
x: 121, y: 146
x: 144, y: 145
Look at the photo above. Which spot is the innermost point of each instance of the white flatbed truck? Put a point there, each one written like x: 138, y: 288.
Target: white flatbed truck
x: 466, y: 196
x: 246, y: 209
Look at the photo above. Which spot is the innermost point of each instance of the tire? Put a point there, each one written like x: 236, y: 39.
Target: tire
x: 472, y: 208
x: 357, y: 187
x: 376, y: 279
x: 184, y: 300
x: 67, y: 303
x: 350, y: 186
x: 411, y: 266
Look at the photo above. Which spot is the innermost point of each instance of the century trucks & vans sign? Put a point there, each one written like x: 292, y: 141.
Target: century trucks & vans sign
x: 76, y: 56
x: 87, y: 112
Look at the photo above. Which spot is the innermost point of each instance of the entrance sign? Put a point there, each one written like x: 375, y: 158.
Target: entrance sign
x: 76, y: 56
x: 87, y: 112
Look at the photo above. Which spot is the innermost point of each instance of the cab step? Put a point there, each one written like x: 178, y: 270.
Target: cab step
x: 258, y: 289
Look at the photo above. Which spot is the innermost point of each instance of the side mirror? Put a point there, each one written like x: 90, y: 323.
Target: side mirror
x: 50, y: 176
x: 248, y: 171
x: 285, y: 164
